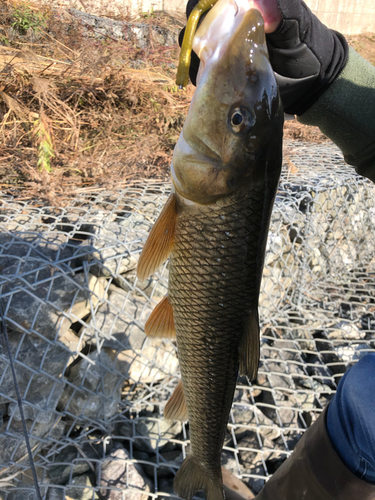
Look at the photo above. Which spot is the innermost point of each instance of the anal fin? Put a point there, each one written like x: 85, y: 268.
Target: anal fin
x: 249, y: 347
x: 176, y: 408
x: 160, y: 324
x: 159, y: 243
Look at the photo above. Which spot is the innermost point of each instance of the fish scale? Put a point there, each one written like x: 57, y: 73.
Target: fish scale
x: 210, y: 307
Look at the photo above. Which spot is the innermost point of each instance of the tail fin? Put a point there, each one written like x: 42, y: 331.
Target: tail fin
x: 192, y: 478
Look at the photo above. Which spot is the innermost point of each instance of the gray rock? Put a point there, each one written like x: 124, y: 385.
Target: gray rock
x: 112, y: 251
x: 285, y: 411
x: 165, y: 486
x: 97, y: 387
x: 38, y: 245
x: 51, y: 306
x: 118, y: 473
x: 23, y: 492
x: 156, y: 360
x: 351, y: 352
x: 229, y: 462
x: 169, y: 463
x: 41, y: 402
x: 345, y: 330
x: 36, y: 362
x: 306, y: 400
x: 156, y: 435
x: 249, y: 449
x: 116, y: 323
x: 76, y: 460
x: 151, y: 287
x: 82, y: 488
x: 54, y: 493
x: 247, y: 420
x: 12, y: 440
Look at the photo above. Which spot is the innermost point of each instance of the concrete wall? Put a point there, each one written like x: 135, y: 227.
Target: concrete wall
x: 347, y: 16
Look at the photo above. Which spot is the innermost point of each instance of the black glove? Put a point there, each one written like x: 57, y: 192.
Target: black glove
x: 306, y: 56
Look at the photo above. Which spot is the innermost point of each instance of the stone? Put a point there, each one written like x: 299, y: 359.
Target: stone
x: 165, y: 486
x: 280, y: 406
x: 76, y: 460
x: 155, y: 361
x: 250, y: 456
x: 12, y: 439
x: 112, y: 251
x: 169, y: 463
x: 41, y: 402
x: 152, y: 287
x: 368, y: 322
x: 306, y: 400
x: 33, y: 243
x: 345, y: 330
x: 351, y: 352
x: 74, y: 343
x: 115, y: 324
x: 39, y: 366
x: 156, y: 434
x: 23, y: 492
x: 54, y: 493
x: 247, y: 420
x: 97, y: 388
x: 229, y: 462
x: 49, y: 307
x: 82, y: 488
x: 117, y: 473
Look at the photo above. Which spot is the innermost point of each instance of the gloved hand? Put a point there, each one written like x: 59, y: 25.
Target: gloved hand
x: 306, y: 55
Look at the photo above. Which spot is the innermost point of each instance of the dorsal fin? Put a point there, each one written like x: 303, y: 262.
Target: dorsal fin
x: 159, y: 242
x: 176, y: 408
x: 160, y: 324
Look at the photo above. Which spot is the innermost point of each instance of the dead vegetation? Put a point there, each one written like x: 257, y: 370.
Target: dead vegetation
x: 79, y: 111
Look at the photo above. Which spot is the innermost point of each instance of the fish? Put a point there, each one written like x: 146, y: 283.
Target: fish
x: 225, y: 172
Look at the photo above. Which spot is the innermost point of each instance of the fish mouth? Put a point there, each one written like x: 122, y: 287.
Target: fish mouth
x: 214, y: 34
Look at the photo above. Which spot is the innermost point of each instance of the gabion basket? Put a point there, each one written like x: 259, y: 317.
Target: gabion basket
x: 94, y: 387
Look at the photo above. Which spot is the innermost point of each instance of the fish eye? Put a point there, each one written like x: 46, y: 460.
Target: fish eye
x: 239, y: 119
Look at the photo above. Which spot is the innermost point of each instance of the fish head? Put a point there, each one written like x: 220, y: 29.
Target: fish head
x: 235, y: 118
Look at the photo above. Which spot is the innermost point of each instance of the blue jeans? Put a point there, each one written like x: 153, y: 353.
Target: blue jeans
x: 351, y: 419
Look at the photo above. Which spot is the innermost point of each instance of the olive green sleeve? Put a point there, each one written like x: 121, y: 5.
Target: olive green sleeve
x: 346, y: 114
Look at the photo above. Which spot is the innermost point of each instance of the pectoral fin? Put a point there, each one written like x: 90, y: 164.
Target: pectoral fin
x: 159, y: 242
x: 176, y: 408
x: 249, y: 347
x: 160, y: 324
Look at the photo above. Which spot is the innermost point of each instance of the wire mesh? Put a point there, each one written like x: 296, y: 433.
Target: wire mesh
x: 94, y: 387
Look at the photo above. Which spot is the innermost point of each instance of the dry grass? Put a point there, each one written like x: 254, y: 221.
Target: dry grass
x: 77, y: 111
x: 78, y: 108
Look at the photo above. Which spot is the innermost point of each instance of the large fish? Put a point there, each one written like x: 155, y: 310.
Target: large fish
x: 225, y: 173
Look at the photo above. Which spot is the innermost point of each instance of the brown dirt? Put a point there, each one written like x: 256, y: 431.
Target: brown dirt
x: 79, y: 113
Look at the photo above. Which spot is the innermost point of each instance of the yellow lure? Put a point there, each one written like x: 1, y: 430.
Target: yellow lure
x: 187, y: 44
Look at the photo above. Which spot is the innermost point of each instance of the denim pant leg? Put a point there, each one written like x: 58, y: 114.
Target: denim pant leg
x: 351, y: 419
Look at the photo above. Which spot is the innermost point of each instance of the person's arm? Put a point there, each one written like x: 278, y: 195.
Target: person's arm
x: 345, y: 113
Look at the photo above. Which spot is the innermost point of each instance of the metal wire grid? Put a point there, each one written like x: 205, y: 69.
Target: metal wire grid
x: 94, y: 389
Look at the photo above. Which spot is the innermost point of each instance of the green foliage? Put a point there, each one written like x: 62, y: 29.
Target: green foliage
x: 25, y: 18
x: 43, y: 136
x: 4, y: 40
x: 148, y: 15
